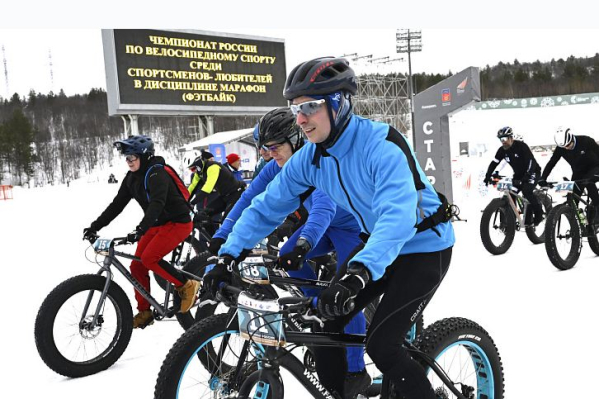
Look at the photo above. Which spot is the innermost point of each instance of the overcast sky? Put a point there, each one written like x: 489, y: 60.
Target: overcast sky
x: 505, y: 32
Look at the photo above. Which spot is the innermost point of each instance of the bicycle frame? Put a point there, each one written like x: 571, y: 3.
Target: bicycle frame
x: 297, y: 369
x: 270, y: 359
x: 112, y: 260
x: 513, y: 205
x: 521, y: 205
x: 573, y: 200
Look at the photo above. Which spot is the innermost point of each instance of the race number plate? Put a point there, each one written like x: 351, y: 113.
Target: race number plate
x: 253, y: 271
x: 102, y: 245
x: 565, y: 186
x: 260, y: 321
x: 504, y: 184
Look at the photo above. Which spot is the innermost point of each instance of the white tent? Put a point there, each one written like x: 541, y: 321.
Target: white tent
x: 240, y: 142
x: 242, y: 135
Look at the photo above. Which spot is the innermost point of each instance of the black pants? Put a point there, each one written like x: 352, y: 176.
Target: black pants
x: 407, y: 287
x: 527, y: 186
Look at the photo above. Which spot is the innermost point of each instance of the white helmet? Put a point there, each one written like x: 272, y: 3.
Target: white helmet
x: 563, y: 137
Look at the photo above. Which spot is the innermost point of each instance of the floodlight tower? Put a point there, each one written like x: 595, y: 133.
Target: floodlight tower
x: 51, y: 70
x: 5, y: 70
x: 408, y: 41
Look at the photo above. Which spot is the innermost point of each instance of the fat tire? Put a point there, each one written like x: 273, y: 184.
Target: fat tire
x: 486, y: 217
x: 593, y: 242
x: 546, y: 202
x: 443, y: 333
x: 551, y: 240
x: 44, y: 322
x: 184, y: 348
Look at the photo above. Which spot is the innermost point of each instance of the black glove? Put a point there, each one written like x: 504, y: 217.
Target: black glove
x: 487, y: 180
x: 221, y: 273
x: 215, y: 244
x: 295, y: 259
x: 543, y: 183
x: 517, y: 183
x: 135, y: 235
x: 90, y: 233
x: 338, y: 299
x: 202, y: 216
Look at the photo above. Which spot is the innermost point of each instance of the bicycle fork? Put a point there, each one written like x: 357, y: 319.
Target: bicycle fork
x: 97, y: 318
x: 437, y: 370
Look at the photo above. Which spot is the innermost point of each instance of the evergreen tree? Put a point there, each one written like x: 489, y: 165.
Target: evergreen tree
x: 3, y: 151
x: 18, y: 134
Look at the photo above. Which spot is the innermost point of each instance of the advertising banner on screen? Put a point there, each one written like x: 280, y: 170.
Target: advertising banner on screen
x: 160, y: 72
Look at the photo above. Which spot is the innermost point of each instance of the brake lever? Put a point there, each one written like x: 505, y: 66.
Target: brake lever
x: 311, y: 317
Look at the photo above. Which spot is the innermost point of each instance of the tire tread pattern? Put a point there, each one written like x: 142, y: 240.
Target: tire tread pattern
x: 44, y: 335
x: 443, y: 333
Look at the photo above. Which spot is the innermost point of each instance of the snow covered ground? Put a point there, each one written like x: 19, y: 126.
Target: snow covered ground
x: 544, y: 322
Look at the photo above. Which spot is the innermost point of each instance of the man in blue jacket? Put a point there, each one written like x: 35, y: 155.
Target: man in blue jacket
x: 368, y: 169
x: 326, y: 228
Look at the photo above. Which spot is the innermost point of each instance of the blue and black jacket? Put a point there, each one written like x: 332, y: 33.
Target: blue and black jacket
x: 371, y: 173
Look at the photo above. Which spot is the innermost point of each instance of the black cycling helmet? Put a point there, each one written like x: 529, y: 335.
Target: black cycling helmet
x: 505, y: 132
x: 320, y: 76
x: 135, y: 145
x: 198, y: 162
x: 279, y: 126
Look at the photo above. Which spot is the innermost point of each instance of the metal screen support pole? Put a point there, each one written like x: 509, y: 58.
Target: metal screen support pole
x: 210, y: 124
x: 134, y: 125
x: 125, y: 125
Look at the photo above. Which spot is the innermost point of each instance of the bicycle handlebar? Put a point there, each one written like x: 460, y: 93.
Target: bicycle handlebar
x: 289, y: 303
x: 116, y: 241
x: 305, y: 306
x: 580, y: 182
x: 230, y: 289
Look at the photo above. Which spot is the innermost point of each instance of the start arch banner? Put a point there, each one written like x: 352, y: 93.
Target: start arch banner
x: 432, y: 131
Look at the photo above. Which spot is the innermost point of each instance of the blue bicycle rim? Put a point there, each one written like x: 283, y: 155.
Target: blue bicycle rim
x: 482, y: 365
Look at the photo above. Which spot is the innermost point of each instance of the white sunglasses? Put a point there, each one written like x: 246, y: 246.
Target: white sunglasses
x: 307, y: 108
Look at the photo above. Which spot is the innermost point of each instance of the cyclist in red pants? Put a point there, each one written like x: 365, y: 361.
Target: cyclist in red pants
x: 166, y: 222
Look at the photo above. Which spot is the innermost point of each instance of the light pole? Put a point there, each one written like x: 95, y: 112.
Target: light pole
x: 408, y: 41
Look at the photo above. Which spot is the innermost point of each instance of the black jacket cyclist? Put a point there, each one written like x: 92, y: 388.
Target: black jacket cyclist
x: 526, y: 170
x: 581, y: 152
